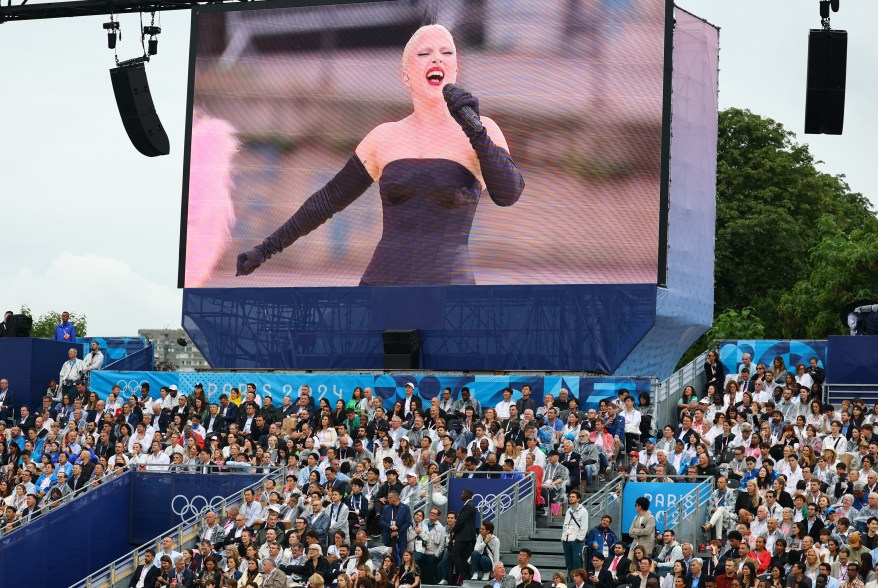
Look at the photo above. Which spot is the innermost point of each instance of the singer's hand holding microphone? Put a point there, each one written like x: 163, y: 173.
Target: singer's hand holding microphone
x: 464, y: 108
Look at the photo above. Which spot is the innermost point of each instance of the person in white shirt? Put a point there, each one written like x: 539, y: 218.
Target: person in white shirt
x: 502, y: 407
x: 795, y: 473
x: 157, y: 458
x: 72, y: 372
x: 803, y: 378
x: 167, y: 549
x: 94, y: 360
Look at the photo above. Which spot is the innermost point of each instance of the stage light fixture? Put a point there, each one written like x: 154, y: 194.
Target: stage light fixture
x: 153, y: 43
x: 113, y: 32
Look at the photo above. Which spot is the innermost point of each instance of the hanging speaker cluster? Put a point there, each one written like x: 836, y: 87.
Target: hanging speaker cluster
x: 137, y: 110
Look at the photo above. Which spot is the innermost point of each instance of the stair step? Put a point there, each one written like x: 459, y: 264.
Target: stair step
x: 541, y: 545
x: 550, y: 533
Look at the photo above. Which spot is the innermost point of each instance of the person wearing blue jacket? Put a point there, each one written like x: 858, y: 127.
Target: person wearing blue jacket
x: 65, y: 331
x: 395, y: 520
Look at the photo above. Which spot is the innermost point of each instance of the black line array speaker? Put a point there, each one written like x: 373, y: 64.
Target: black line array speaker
x: 137, y: 110
x: 19, y: 325
x: 402, y: 350
x: 827, y: 75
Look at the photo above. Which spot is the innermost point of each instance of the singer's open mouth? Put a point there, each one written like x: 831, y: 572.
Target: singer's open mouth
x: 435, y: 75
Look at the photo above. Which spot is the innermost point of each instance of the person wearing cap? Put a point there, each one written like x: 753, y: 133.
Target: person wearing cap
x: 410, y: 491
x: 633, y: 463
x: 648, y: 456
x: 408, y: 399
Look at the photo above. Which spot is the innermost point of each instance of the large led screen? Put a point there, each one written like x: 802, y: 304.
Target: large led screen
x: 462, y: 142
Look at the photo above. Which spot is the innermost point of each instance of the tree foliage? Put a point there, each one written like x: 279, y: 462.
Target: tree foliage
x: 793, y: 245
x: 770, y: 199
x: 843, y: 268
x: 44, y: 326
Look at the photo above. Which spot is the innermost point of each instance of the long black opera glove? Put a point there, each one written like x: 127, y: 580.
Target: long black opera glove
x: 347, y: 185
x: 501, y: 175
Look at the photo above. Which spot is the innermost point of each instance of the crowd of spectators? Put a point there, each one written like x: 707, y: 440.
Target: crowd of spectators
x: 354, y: 469
x: 795, y: 503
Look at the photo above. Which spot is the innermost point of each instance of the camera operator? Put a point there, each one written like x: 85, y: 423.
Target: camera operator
x: 72, y: 372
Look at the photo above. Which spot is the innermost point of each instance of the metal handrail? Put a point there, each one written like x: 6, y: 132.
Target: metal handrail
x: 670, y: 389
x: 673, y: 516
x: 513, y: 496
x: 130, y: 560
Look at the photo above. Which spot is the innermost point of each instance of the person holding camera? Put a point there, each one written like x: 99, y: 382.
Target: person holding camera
x: 72, y: 372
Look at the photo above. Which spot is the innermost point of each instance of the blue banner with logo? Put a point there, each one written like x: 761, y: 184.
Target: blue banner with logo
x: 731, y: 353
x: 661, y: 497
x: 485, y: 493
x: 488, y: 389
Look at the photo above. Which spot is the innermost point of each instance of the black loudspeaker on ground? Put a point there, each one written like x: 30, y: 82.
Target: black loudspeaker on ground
x: 827, y: 76
x: 137, y: 110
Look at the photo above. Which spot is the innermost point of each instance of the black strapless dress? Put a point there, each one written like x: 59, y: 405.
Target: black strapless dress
x: 428, y: 208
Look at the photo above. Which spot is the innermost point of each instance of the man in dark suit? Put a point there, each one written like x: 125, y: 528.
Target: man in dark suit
x: 695, y: 577
x: 465, y: 530
x: 184, y: 576
x: 7, y: 400
x: 215, y: 423
x: 618, y: 564
x: 228, y: 409
x: 395, y: 521
x: 812, y: 525
x: 25, y: 420
x: 79, y: 479
x: 146, y: 573
x: 643, y: 575
x: 600, y: 578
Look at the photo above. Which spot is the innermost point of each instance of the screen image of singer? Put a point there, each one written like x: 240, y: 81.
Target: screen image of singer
x: 322, y: 150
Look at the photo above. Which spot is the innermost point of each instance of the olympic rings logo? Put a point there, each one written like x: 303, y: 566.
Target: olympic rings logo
x: 187, y: 508
x: 129, y: 387
x: 486, y: 505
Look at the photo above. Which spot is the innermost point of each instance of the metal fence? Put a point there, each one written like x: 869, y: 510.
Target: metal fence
x: 669, y: 391
x: 688, y: 514
x: 607, y: 501
x: 185, y: 535
x: 835, y: 393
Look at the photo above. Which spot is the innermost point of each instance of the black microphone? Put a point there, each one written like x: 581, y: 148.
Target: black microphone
x: 466, y: 112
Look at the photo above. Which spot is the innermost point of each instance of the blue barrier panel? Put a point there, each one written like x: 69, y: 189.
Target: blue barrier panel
x: 160, y: 501
x: 853, y: 360
x: 68, y: 543
x: 764, y: 351
x: 488, y: 389
x: 485, y: 491
x: 29, y: 364
x: 661, y: 497
x: 113, y: 348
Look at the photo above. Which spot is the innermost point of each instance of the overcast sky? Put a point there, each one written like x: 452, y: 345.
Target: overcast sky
x: 92, y: 226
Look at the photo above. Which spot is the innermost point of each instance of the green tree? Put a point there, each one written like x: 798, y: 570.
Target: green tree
x: 843, y: 268
x: 770, y: 197
x: 778, y: 220
x: 44, y: 327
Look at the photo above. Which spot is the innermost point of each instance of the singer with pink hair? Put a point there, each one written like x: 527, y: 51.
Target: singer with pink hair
x: 431, y: 168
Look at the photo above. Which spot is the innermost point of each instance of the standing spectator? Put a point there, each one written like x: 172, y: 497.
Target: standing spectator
x: 713, y: 371
x: 395, y: 520
x: 642, y: 529
x: 6, y: 401
x: 94, y: 360
x: 464, y: 534
x: 4, y: 326
x: 65, y: 331
x: 71, y: 374
x: 573, y: 531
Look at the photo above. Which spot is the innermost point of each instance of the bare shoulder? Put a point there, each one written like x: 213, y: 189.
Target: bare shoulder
x: 494, y: 132
x: 370, y: 147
